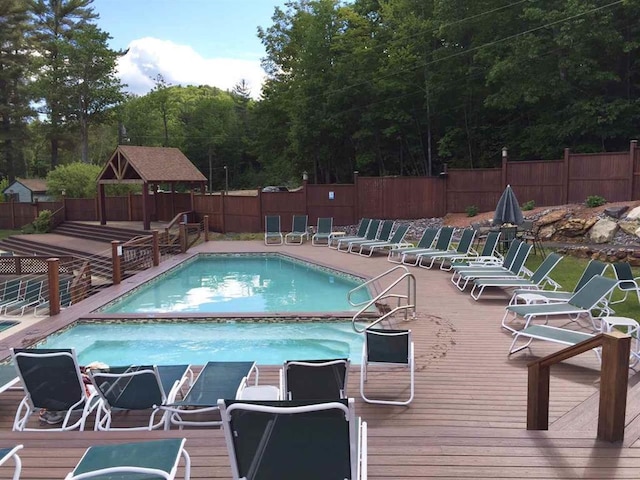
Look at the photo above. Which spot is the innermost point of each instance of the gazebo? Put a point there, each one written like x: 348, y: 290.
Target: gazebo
x: 149, y: 166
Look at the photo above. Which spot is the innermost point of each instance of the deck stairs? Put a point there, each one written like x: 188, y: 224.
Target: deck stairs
x: 100, y: 233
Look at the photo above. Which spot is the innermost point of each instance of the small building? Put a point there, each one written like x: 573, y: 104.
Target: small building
x: 28, y: 190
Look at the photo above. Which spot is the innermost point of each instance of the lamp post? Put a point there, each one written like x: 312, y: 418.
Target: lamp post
x: 226, y: 180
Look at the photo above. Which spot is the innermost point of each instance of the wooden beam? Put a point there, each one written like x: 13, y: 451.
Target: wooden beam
x: 614, y: 381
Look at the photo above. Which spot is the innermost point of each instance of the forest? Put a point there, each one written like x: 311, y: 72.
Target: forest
x: 382, y: 87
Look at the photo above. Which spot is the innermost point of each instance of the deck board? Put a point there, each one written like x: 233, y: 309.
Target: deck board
x: 468, y: 418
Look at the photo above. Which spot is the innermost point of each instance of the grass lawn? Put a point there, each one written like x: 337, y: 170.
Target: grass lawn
x: 6, y: 233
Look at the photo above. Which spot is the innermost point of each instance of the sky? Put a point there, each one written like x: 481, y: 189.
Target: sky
x: 188, y: 42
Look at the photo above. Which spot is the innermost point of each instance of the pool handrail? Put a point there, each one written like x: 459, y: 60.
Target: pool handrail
x: 370, y: 281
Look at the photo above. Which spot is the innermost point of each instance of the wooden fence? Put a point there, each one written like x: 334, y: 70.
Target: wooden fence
x: 571, y: 179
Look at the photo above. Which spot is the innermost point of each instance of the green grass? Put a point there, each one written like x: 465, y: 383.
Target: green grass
x: 568, y: 271
x: 7, y: 233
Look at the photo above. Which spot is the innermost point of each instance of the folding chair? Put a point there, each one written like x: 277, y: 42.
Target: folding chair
x: 12, y: 453
x: 272, y: 234
x: 626, y: 281
x: 323, y: 232
x: 314, y: 379
x: 308, y: 440
x: 141, y: 460
x: 388, y: 348
x: 298, y: 231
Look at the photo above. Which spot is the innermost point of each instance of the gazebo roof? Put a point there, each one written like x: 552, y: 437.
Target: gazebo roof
x: 151, y: 165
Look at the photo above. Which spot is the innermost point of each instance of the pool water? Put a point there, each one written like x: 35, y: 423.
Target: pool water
x: 243, y: 284
x: 197, y: 343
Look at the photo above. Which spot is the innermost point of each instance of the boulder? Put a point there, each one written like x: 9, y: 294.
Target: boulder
x: 629, y: 227
x: 615, y: 212
x: 553, y: 217
x: 575, y: 227
x: 634, y: 214
x: 603, y: 231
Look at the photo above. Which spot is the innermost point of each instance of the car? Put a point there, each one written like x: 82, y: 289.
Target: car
x: 273, y: 188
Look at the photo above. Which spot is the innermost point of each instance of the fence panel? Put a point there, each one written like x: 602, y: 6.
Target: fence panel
x: 541, y: 181
x: 80, y: 209
x: 211, y: 205
x: 480, y: 187
x: 242, y: 214
x: 337, y: 201
x: 413, y: 197
x: 604, y: 174
x: 285, y: 204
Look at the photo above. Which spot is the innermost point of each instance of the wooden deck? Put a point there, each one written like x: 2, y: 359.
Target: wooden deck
x: 469, y: 413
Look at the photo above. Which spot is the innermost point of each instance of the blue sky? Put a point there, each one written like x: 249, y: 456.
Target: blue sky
x: 189, y: 42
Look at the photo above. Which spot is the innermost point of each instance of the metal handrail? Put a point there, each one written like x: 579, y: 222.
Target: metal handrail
x: 371, y: 280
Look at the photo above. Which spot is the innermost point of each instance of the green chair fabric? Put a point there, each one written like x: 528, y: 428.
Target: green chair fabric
x: 314, y: 379
x: 272, y: 233
x: 298, y: 230
x: 361, y: 232
x: 426, y: 241
x: 323, y: 232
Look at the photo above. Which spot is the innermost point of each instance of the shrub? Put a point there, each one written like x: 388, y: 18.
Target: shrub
x: 42, y: 223
x: 594, y: 201
x: 530, y: 205
x: 471, y: 210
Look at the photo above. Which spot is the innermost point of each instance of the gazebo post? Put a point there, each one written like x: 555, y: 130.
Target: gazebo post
x: 145, y: 206
x: 102, y: 201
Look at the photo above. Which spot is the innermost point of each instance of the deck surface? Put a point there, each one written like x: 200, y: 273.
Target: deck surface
x: 469, y: 413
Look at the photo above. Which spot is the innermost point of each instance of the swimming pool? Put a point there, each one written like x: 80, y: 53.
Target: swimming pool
x: 164, y: 343
x: 249, y: 283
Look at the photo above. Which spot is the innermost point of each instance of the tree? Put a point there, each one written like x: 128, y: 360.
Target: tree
x: 77, y: 180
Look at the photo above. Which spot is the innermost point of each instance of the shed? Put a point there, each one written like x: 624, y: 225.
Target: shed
x: 149, y: 166
x: 28, y: 190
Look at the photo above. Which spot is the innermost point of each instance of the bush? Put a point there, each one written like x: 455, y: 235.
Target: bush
x: 530, y: 205
x: 594, y: 201
x: 471, y: 210
x: 42, y: 224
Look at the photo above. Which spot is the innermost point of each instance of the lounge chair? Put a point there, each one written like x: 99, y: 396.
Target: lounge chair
x: 298, y: 231
x: 593, y: 268
x: 462, y: 249
x: 216, y: 380
x: 583, y: 303
x: 383, y: 235
x: 548, y: 333
x: 426, y: 240
x: 361, y: 232
x: 537, y: 281
x: 31, y: 296
x: 52, y: 380
x: 272, y: 233
x: 152, y: 459
x: 8, y: 378
x: 137, y: 388
x: 12, y: 453
x: 314, y: 379
x: 11, y: 292
x: 323, y: 232
x: 396, y: 241
x: 344, y: 243
x: 302, y: 440
x: 485, y: 256
x: 387, y: 348
x: 626, y: 281
x: 64, y: 292
x: 442, y: 245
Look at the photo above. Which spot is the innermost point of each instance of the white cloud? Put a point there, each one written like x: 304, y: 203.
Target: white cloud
x: 181, y: 65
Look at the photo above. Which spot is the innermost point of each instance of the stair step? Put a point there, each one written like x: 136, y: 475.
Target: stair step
x: 100, y: 233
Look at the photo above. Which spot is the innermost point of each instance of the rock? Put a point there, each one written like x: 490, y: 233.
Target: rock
x: 634, y: 214
x: 553, y: 217
x: 615, y: 212
x: 575, y: 227
x: 603, y: 231
x: 629, y: 228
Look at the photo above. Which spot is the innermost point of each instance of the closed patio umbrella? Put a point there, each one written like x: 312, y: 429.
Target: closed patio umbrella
x: 508, y: 209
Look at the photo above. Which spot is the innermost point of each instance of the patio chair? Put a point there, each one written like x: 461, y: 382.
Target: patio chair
x: 137, y: 388
x: 387, y: 348
x: 593, y: 268
x: 584, y: 302
x: 626, y: 281
x: 442, y: 245
x: 383, y: 235
x: 462, y: 249
x: 8, y: 378
x: 486, y: 256
x: 52, y: 380
x: 537, y: 281
x: 298, y: 231
x: 11, y: 292
x: 151, y: 459
x: 302, y: 440
x: 344, y: 245
x: 314, y: 379
x: 12, y: 453
x: 528, y: 232
x: 31, y: 296
x: 216, y: 380
x: 64, y: 291
x: 370, y: 230
x: 361, y: 232
x: 426, y: 240
x: 323, y: 232
x: 272, y: 233
x: 396, y: 241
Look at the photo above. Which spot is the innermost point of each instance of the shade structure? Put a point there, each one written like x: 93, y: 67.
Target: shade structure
x: 508, y: 209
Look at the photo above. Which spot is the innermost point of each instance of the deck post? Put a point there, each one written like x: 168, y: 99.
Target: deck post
x: 156, y: 248
x: 116, y: 250
x: 205, y: 226
x: 538, y: 397
x: 53, y: 277
x: 614, y: 380
x: 183, y: 237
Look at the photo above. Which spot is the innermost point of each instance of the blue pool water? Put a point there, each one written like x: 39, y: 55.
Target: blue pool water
x: 199, y: 342
x: 242, y: 284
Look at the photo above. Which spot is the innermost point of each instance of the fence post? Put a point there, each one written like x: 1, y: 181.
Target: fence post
x: 53, y: 275
x: 505, y: 159
x: 614, y: 380
x: 13, y: 213
x: 538, y: 397
x: 116, y: 250
x: 205, y: 225
x: 565, y: 169
x: 183, y: 237
x: 260, y: 213
x: 156, y: 248
x: 223, y: 200
x: 356, y: 209
x: 632, y: 157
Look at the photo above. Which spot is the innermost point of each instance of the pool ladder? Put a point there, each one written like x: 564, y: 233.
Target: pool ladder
x: 405, y: 302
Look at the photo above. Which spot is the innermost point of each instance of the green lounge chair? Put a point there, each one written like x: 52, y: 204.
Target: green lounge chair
x: 396, y: 241
x: 463, y: 248
x: 443, y: 243
x: 372, y: 233
x: 137, y: 388
x: 548, y: 333
x: 272, y: 233
x: 487, y: 256
x: 387, y: 348
x: 383, y: 235
x: 216, y: 380
x: 298, y: 231
x: 31, y: 296
x: 323, y: 232
x: 426, y: 241
x: 537, y: 281
x: 141, y: 460
x: 582, y: 303
x: 8, y: 378
x: 64, y: 292
x: 314, y: 379
x: 11, y: 292
x: 626, y: 281
x: 308, y: 440
x: 361, y: 232
x: 12, y: 453
x: 52, y: 380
